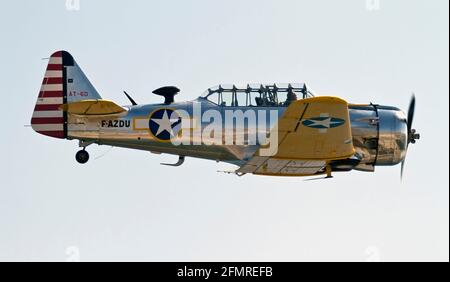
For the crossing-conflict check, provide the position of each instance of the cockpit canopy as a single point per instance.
(257, 95)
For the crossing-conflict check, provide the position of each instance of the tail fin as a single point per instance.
(64, 82)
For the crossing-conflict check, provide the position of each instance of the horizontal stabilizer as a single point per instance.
(92, 107)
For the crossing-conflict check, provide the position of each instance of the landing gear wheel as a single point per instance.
(82, 156)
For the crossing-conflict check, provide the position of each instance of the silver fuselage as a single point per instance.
(379, 133)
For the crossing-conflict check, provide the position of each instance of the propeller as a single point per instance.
(412, 134)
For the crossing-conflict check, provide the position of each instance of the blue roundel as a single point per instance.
(164, 124)
(323, 122)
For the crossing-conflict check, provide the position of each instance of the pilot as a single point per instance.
(291, 97)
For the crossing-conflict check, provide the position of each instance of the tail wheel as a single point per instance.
(82, 156)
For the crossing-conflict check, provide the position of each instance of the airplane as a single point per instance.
(263, 129)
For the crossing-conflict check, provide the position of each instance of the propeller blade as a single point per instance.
(411, 109)
(318, 178)
(401, 170)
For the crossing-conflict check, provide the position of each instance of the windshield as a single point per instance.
(257, 95)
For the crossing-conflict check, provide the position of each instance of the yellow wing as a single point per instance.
(92, 107)
(311, 133)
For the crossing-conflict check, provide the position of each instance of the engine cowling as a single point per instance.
(379, 135)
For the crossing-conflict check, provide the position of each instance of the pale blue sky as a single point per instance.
(125, 206)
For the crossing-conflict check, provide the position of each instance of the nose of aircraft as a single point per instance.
(393, 136)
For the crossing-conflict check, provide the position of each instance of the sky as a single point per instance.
(124, 206)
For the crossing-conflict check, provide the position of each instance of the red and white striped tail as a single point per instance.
(64, 82)
(47, 119)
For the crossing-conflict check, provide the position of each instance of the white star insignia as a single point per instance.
(165, 124)
(325, 123)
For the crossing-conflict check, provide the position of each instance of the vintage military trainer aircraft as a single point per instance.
(277, 129)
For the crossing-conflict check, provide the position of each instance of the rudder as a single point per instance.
(64, 82)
